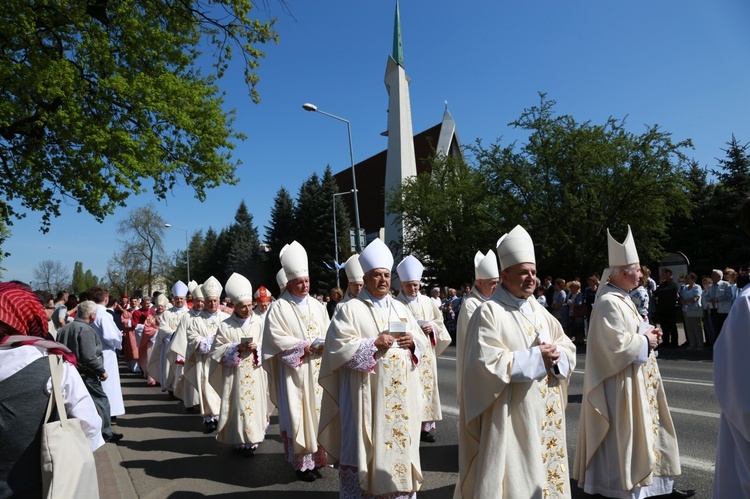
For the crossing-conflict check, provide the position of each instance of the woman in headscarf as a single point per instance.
(25, 387)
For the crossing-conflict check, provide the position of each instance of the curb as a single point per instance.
(114, 479)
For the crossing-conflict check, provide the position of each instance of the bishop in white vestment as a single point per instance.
(243, 386)
(178, 350)
(516, 367)
(293, 338)
(430, 321)
(371, 417)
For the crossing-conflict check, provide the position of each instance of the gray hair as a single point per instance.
(85, 309)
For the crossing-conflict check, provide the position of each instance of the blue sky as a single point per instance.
(680, 64)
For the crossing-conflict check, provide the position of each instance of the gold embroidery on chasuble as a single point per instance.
(426, 371)
(247, 396)
(554, 455)
(312, 331)
(652, 377)
(397, 438)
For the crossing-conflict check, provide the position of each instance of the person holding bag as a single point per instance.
(25, 389)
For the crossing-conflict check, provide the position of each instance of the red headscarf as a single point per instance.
(21, 310)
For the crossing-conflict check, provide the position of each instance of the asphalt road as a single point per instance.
(166, 453)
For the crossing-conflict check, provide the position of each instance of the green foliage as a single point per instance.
(566, 184)
(244, 246)
(282, 226)
(446, 218)
(101, 100)
(83, 280)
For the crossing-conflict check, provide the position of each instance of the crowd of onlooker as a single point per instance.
(700, 304)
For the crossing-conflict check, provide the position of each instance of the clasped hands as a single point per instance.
(654, 337)
(385, 340)
(550, 354)
(244, 348)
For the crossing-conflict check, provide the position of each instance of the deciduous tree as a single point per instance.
(144, 232)
(101, 100)
(52, 276)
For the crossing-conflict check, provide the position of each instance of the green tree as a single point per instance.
(728, 240)
(83, 280)
(101, 100)
(691, 232)
(145, 229)
(281, 228)
(127, 273)
(446, 219)
(244, 246)
(328, 188)
(314, 217)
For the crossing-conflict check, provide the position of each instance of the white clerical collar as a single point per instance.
(522, 303)
(377, 302)
(299, 301)
(245, 320)
(410, 299)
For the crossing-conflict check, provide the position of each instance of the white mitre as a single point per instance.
(195, 290)
(212, 287)
(294, 261)
(485, 266)
(281, 280)
(622, 255)
(376, 256)
(515, 247)
(410, 269)
(162, 300)
(353, 269)
(179, 289)
(239, 288)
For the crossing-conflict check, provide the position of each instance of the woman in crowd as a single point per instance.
(640, 296)
(25, 387)
(559, 305)
(577, 312)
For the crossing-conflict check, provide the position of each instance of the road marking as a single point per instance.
(453, 411)
(447, 358)
(698, 464)
(681, 381)
(695, 413)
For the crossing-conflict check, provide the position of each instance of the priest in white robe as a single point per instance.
(516, 368)
(371, 417)
(159, 366)
(178, 350)
(111, 337)
(627, 444)
(732, 478)
(486, 279)
(198, 363)
(430, 321)
(355, 278)
(243, 384)
(293, 338)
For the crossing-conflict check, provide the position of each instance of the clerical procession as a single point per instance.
(445, 366)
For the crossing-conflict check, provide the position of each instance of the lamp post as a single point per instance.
(313, 108)
(336, 234)
(187, 247)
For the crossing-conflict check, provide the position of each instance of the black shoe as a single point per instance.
(210, 426)
(305, 476)
(427, 437)
(114, 438)
(678, 494)
(245, 451)
(113, 420)
(316, 472)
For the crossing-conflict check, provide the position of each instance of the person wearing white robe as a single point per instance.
(178, 350)
(516, 368)
(732, 477)
(293, 337)
(371, 417)
(237, 352)
(111, 337)
(159, 366)
(355, 278)
(198, 363)
(430, 321)
(486, 279)
(627, 445)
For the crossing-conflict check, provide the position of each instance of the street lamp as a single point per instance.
(313, 108)
(336, 234)
(187, 248)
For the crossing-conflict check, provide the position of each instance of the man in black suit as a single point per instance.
(666, 297)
